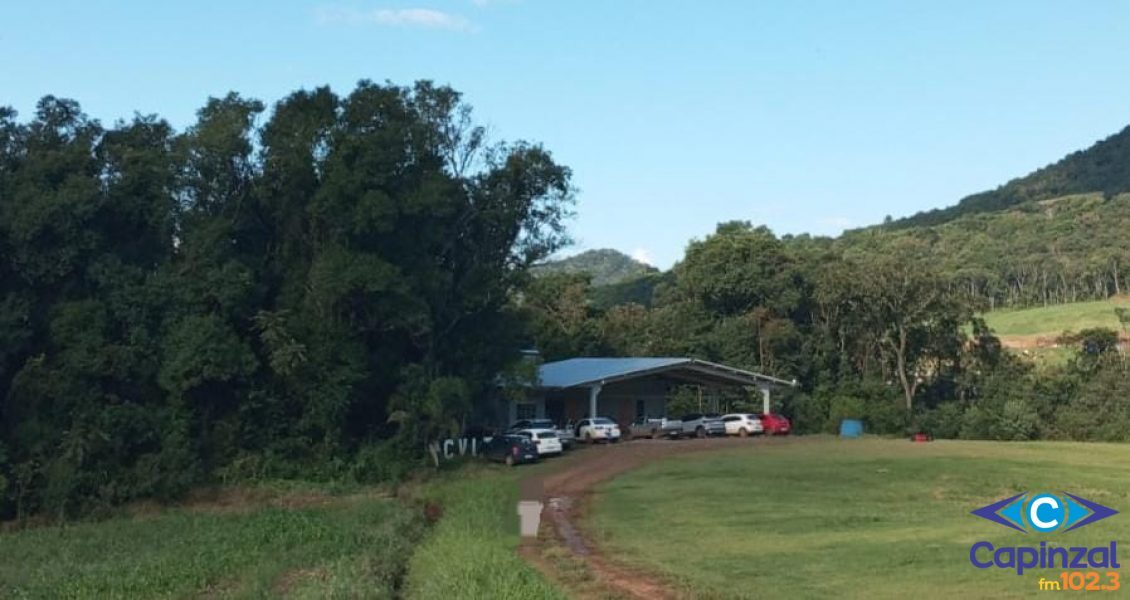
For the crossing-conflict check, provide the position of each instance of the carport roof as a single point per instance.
(586, 372)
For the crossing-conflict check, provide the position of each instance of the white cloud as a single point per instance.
(643, 255)
(423, 18)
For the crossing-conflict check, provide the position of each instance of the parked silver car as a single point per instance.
(700, 425)
(656, 427)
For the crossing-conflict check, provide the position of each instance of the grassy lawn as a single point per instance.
(353, 546)
(471, 553)
(1054, 320)
(823, 517)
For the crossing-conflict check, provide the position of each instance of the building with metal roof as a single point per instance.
(626, 388)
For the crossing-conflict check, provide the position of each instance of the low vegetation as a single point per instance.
(310, 546)
(472, 551)
(821, 517)
(294, 541)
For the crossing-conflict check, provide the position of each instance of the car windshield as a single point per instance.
(602, 421)
(691, 417)
(545, 435)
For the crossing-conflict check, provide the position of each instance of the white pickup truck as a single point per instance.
(656, 427)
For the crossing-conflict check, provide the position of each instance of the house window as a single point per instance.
(526, 410)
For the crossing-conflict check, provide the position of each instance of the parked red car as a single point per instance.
(775, 424)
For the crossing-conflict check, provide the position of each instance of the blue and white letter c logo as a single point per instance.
(1045, 512)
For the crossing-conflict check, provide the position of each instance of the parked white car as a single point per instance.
(742, 424)
(546, 440)
(600, 428)
(565, 434)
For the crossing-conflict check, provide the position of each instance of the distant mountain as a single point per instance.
(606, 266)
(1103, 168)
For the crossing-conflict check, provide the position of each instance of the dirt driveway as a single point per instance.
(564, 552)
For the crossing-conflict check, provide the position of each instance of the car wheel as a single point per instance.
(700, 432)
(743, 432)
(510, 460)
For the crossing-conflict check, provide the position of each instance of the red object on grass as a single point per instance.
(921, 437)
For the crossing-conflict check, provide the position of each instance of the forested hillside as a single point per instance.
(1061, 250)
(1103, 168)
(1064, 249)
(605, 266)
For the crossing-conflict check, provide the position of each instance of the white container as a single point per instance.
(529, 513)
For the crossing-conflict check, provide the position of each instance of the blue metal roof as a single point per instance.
(576, 372)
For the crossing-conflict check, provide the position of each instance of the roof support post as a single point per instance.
(594, 392)
(765, 400)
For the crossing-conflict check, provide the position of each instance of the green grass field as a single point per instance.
(354, 546)
(472, 551)
(1054, 320)
(871, 518)
(283, 544)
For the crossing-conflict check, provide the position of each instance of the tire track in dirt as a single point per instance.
(566, 492)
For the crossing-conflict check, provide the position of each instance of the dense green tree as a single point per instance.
(253, 298)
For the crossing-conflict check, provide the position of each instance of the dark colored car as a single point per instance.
(775, 424)
(511, 449)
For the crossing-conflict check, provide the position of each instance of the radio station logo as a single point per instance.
(1044, 513)
(1047, 513)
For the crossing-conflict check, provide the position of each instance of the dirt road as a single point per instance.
(566, 491)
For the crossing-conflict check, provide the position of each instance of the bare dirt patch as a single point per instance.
(563, 548)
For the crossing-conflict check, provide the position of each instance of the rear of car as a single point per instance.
(700, 425)
(512, 449)
(714, 424)
(545, 440)
(775, 424)
(599, 429)
(564, 434)
(742, 424)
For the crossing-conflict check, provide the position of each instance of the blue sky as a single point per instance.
(804, 116)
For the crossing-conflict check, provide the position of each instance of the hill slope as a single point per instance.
(1055, 251)
(606, 266)
(1051, 321)
(1102, 168)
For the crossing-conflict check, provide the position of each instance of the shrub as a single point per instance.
(809, 412)
(1018, 421)
(945, 421)
(1100, 410)
(886, 415)
(383, 462)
